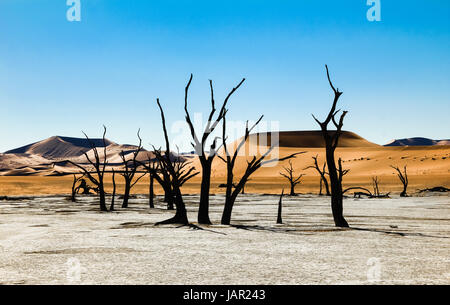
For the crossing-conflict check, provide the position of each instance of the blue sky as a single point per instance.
(59, 77)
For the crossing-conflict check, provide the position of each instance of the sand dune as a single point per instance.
(418, 142)
(14, 161)
(113, 154)
(311, 138)
(59, 147)
(443, 142)
(428, 166)
(39, 158)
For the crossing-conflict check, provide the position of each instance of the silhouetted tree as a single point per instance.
(183, 170)
(253, 165)
(206, 158)
(403, 176)
(129, 172)
(178, 174)
(322, 173)
(441, 189)
(74, 187)
(293, 180)
(151, 192)
(99, 167)
(341, 171)
(331, 143)
(86, 189)
(166, 184)
(111, 207)
(152, 170)
(280, 207)
(376, 190)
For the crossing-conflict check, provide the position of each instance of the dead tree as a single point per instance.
(99, 166)
(199, 144)
(111, 207)
(74, 187)
(331, 143)
(403, 176)
(153, 168)
(178, 174)
(280, 206)
(322, 172)
(341, 171)
(151, 192)
(293, 180)
(224, 185)
(85, 187)
(376, 190)
(166, 184)
(129, 172)
(183, 170)
(253, 165)
(365, 192)
(441, 189)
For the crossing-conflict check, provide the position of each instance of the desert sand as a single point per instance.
(46, 239)
(29, 170)
(428, 166)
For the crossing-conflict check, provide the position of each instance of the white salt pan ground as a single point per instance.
(49, 240)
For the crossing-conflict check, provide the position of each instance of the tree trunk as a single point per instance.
(280, 207)
(203, 210)
(170, 201)
(168, 197)
(126, 194)
(73, 197)
(403, 193)
(292, 189)
(336, 191)
(180, 214)
(228, 209)
(111, 207)
(151, 193)
(101, 191)
(226, 215)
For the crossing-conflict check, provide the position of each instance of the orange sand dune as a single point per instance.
(59, 147)
(310, 138)
(428, 166)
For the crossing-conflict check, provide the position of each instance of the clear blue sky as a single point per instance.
(59, 77)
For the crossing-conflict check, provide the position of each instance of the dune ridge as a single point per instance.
(363, 158)
(308, 138)
(58, 147)
(417, 141)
